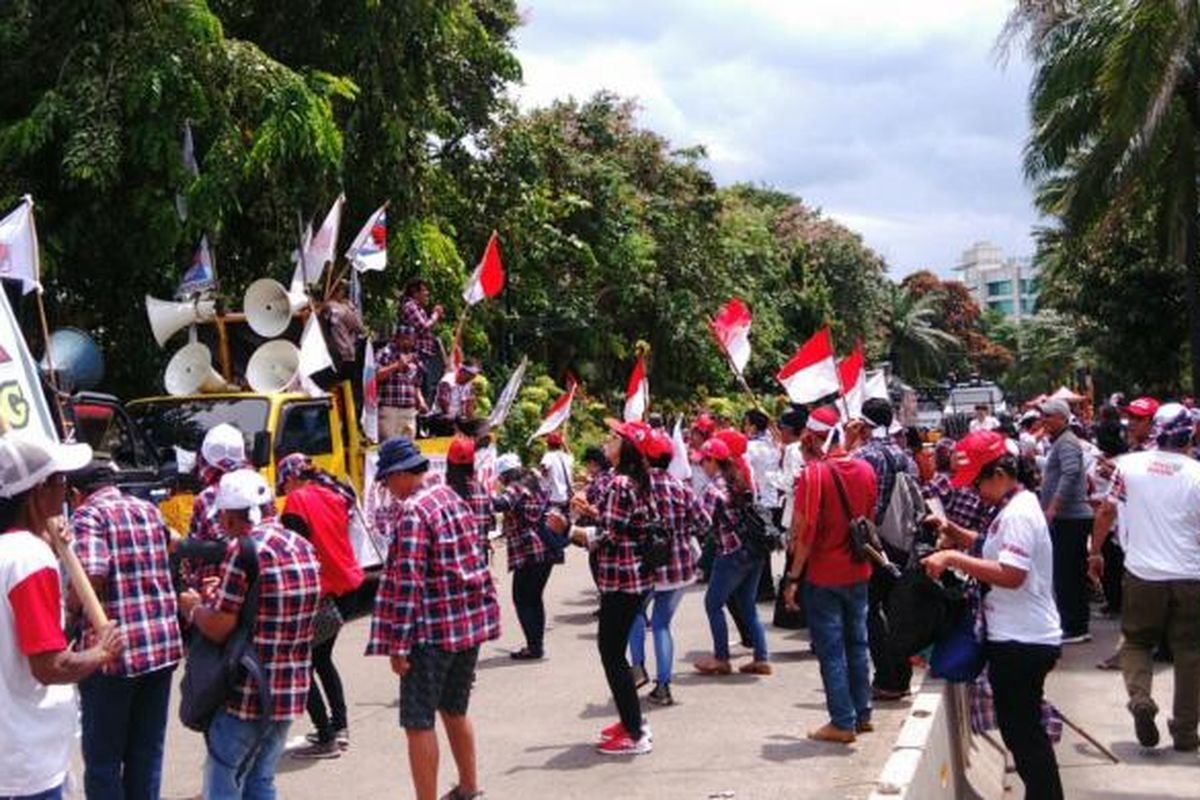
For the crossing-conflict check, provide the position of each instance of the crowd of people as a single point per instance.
(1035, 515)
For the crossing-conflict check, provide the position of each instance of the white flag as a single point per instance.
(370, 409)
(679, 468)
(18, 247)
(876, 386)
(368, 251)
(322, 247)
(314, 354)
(504, 403)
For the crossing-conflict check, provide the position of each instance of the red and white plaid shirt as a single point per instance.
(453, 397)
(722, 516)
(523, 509)
(204, 527)
(620, 531)
(401, 388)
(678, 511)
(124, 541)
(289, 589)
(436, 588)
(414, 316)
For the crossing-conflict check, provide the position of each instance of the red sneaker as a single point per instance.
(617, 729)
(625, 746)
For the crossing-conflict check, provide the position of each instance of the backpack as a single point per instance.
(657, 544)
(755, 530)
(213, 670)
(904, 510)
(863, 536)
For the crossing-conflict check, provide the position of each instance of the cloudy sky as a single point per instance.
(891, 115)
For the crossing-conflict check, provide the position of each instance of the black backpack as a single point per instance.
(755, 530)
(213, 670)
(657, 544)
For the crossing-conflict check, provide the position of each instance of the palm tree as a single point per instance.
(1115, 107)
(917, 348)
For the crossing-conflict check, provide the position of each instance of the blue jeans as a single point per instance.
(240, 765)
(837, 622)
(735, 575)
(124, 722)
(50, 794)
(665, 604)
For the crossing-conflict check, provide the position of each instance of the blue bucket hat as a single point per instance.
(399, 454)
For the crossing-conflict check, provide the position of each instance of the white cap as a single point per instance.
(244, 489)
(1168, 412)
(26, 461)
(223, 444)
(507, 462)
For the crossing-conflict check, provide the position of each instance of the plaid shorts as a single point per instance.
(437, 680)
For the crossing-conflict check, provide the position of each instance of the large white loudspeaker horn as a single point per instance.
(166, 318)
(273, 367)
(190, 371)
(269, 307)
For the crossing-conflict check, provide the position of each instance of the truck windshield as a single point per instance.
(182, 422)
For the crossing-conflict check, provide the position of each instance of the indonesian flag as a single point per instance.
(559, 413)
(853, 377)
(322, 248)
(19, 248)
(732, 329)
(812, 373)
(370, 409)
(488, 278)
(637, 395)
(368, 251)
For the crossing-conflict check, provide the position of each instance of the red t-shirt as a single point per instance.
(324, 512)
(828, 527)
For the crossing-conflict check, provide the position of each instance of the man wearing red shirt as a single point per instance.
(835, 585)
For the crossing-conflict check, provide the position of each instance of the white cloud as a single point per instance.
(892, 115)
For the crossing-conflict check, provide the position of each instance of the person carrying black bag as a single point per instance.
(246, 736)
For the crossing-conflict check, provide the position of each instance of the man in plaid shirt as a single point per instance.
(122, 543)
(399, 380)
(413, 314)
(242, 753)
(963, 506)
(436, 605)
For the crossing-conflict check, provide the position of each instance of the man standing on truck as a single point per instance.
(399, 379)
(413, 313)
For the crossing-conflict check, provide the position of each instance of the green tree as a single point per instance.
(916, 347)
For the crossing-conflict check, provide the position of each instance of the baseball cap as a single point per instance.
(974, 452)
(658, 446)
(635, 432)
(1143, 408)
(462, 451)
(704, 424)
(244, 490)
(507, 462)
(823, 419)
(1032, 415)
(27, 461)
(554, 439)
(1055, 407)
(736, 441)
(716, 450)
(224, 446)
(399, 454)
(290, 466)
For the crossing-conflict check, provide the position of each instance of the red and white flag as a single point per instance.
(370, 409)
(368, 251)
(488, 278)
(637, 395)
(322, 247)
(732, 329)
(812, 373)
(852, 374)
(558, 414)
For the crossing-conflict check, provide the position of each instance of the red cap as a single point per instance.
(823, 419)
(636, 432)
(462, 451)
(974, 452)
(704, 424)
(716, 450)
(1143, 408)
(554, 439)
(658, 445)
(734, 440)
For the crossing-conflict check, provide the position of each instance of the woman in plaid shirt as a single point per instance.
(736, 571)
(619, 577)
(523, 503)
(680, 512)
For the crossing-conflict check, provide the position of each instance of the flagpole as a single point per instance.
(45, 325)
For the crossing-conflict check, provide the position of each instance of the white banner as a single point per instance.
(22, 402)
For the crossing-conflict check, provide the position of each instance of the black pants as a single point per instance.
(528, 585)
(1070, 539)
(617, 610)
(1017, 673)
(1114, 574)
(893, 672)
(327, 721)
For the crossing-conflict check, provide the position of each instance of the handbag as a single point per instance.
(862, 529)
(657, 544)
(959, 656)
(327, 622)
(756, 533)
(213, 670)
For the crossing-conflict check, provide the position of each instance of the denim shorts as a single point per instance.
(437, 680)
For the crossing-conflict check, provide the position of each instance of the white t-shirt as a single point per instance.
(988, 423)
(793, 462)
(763, 457)
(37, 723)
(556, 472)
(1019, 537)
(1157, 493)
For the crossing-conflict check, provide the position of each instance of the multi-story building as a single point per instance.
(1007, 285)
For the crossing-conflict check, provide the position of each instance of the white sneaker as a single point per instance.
(624, 746)
(1079, 639)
